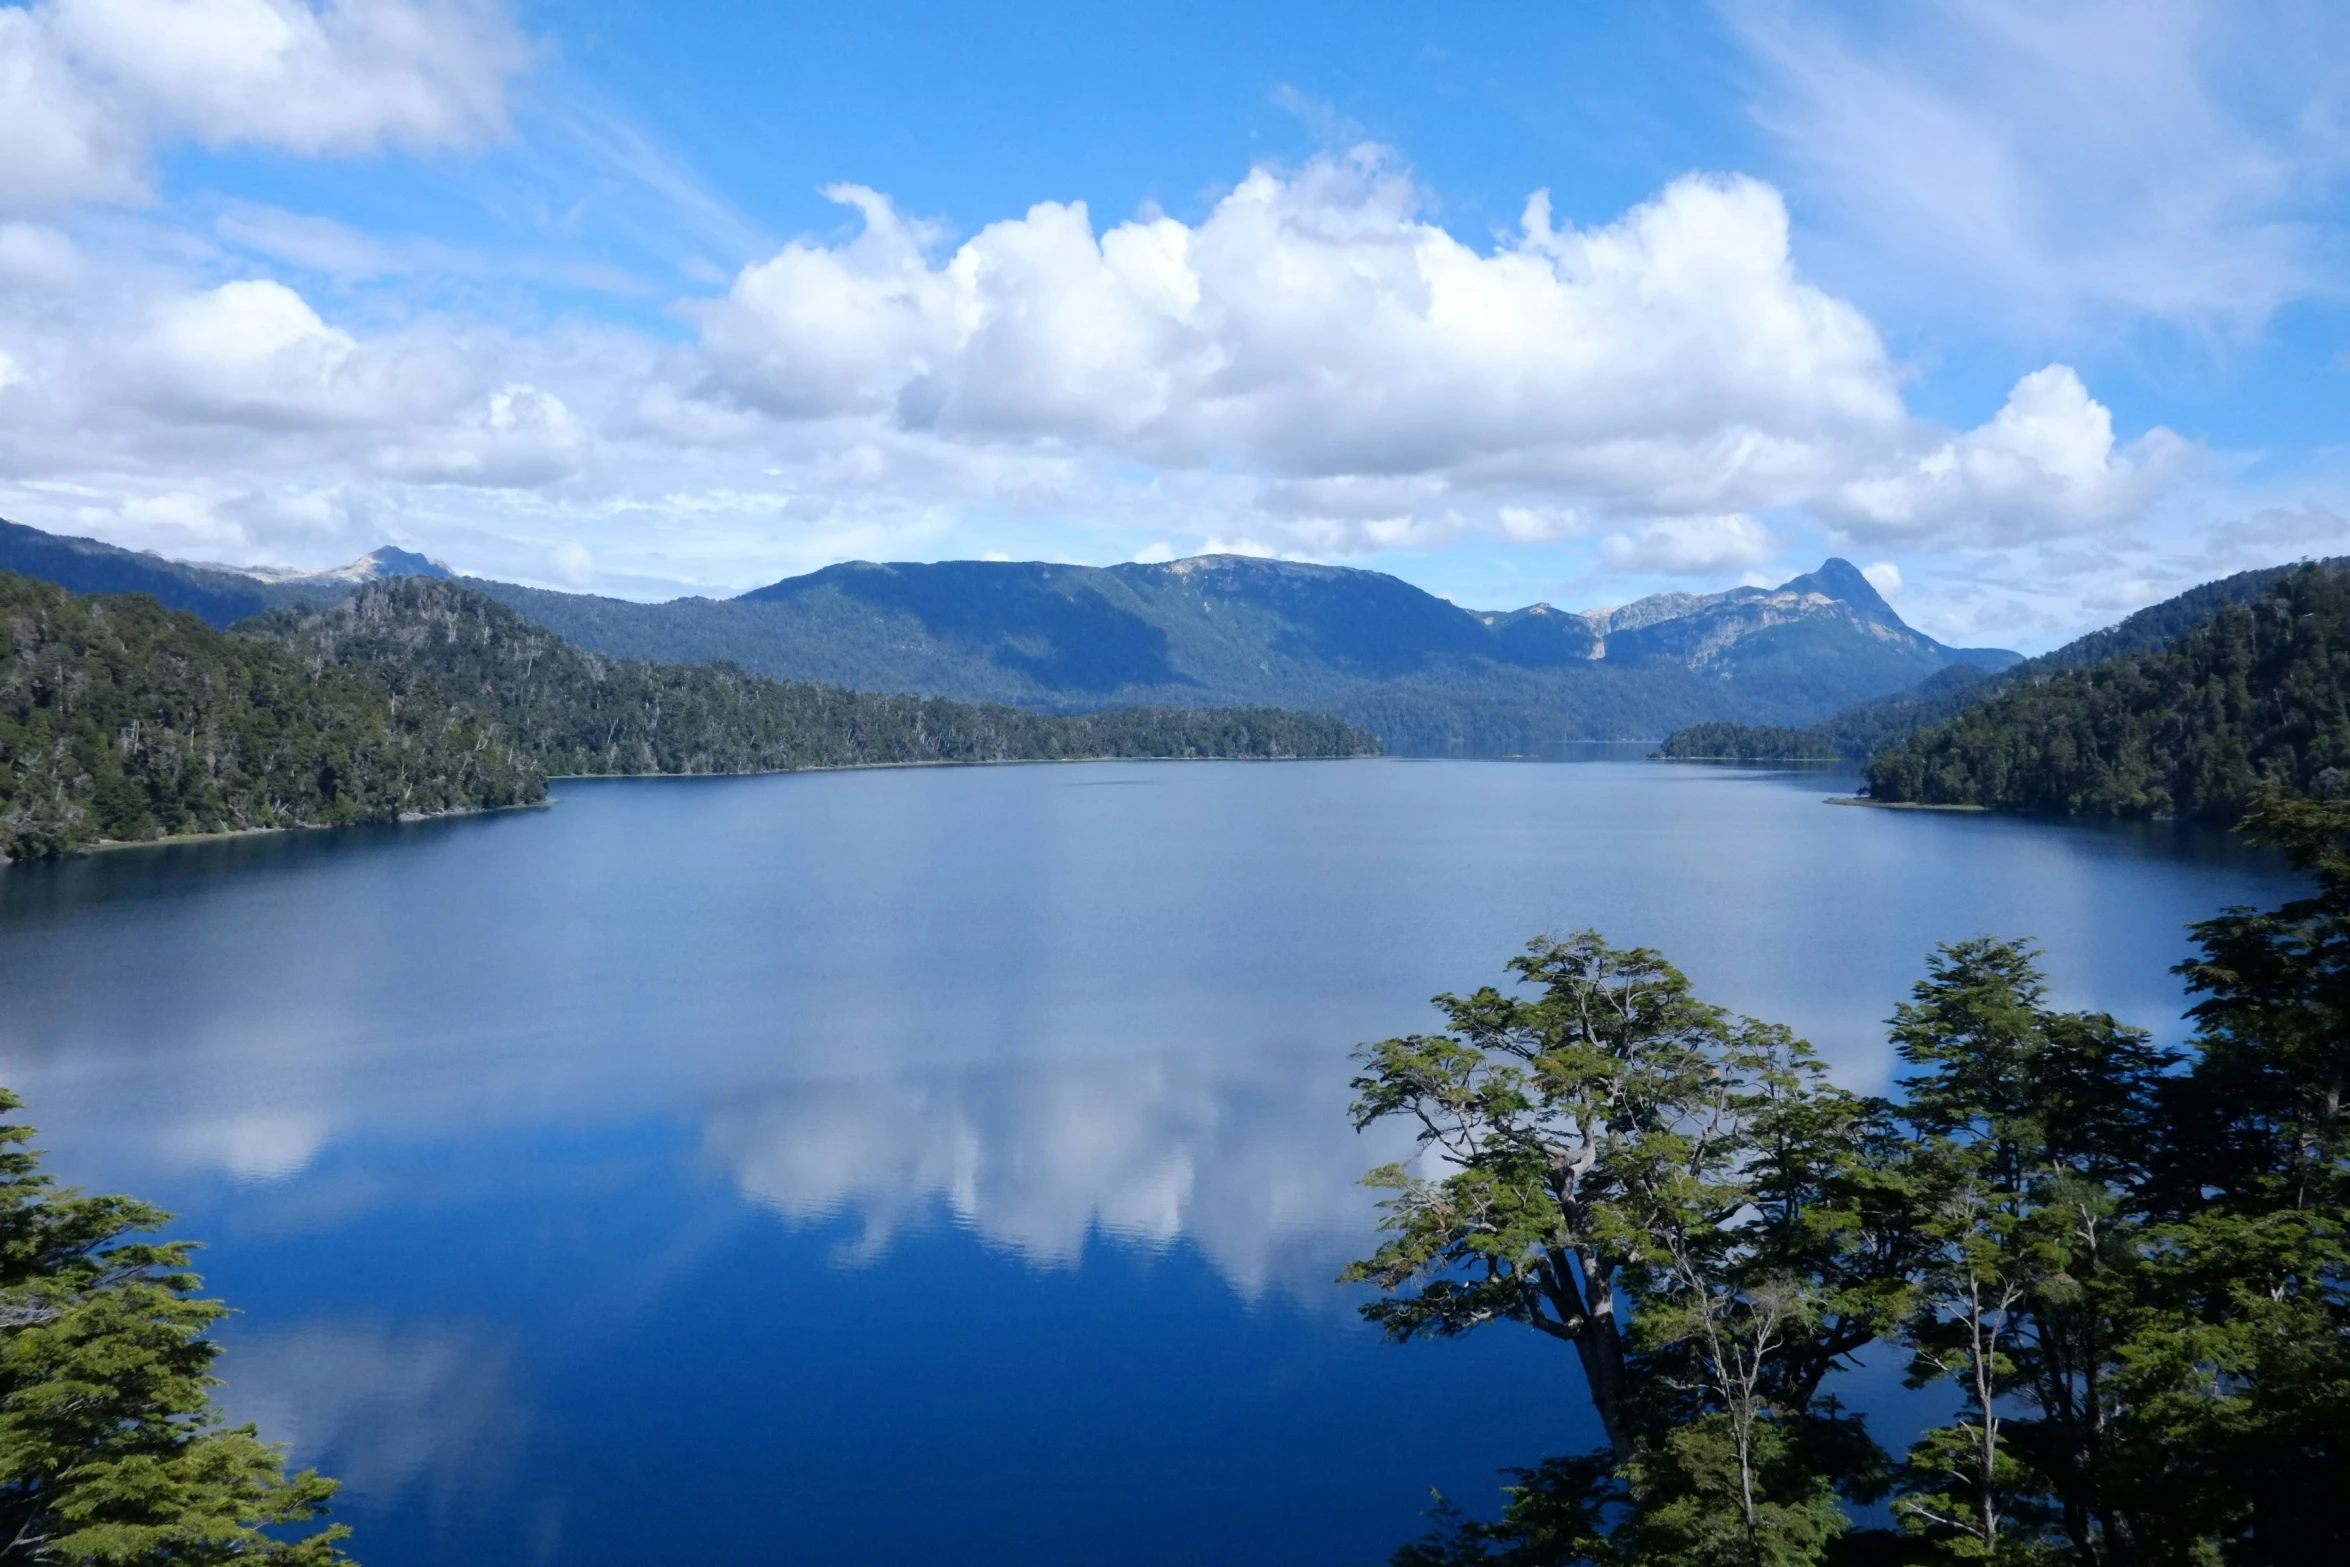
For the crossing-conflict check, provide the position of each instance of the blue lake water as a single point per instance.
(935, 1165)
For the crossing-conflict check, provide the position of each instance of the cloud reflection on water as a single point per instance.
(1044, 1010)
(393, 1412)
(1254, 1162)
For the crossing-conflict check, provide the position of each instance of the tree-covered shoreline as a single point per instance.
(2256, 696)
(1750, 743)
(1886, 723)
(124, 722)
(121, 720)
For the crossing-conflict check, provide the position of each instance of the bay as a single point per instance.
(942, 1164)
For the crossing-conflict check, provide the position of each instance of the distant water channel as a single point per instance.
(940, 1166)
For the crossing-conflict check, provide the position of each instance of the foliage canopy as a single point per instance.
(2129, 1269)
(2256, 696)
(111, 1451)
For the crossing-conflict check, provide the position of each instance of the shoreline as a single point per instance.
(1760, 761)
(113, 845)
(1905, 805)
(117, 845)
(995, 761)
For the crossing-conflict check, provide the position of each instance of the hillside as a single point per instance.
(1423, 673)
(1861, 730)
(2259, 692)
(577, 712)
(120, 719)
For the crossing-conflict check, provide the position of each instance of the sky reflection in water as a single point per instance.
(926, 1162)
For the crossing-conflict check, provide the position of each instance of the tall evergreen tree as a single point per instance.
(112, 1452)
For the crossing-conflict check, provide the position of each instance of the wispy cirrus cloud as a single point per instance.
(2179, 160)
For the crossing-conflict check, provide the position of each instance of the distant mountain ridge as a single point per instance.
(1421, 672)
(1217, 630)
(374, 566)
(222, 595)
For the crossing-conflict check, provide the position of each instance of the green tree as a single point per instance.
(1611, 1139)
(2236, 1357)
(2033, 1134)
(112, 1453)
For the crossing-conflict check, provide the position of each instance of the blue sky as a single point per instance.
(2036, 311)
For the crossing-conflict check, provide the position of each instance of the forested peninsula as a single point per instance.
(1860, 731)
(2258, 695)
(122, 721)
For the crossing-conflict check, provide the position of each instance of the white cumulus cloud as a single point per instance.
(91, 85)
(1314, 325)
(1311, 368)
(2047, 462)
(1690, 546)
(519, 438)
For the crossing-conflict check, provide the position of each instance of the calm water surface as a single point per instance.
(927, 1166)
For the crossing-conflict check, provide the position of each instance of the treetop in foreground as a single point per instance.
(2125, 1271)
(112, 1451)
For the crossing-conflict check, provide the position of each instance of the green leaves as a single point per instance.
(2136, 1280)
(1601, 1140)
(111, 1452)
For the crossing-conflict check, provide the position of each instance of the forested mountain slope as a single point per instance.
(1222, 630)
(2258, 693)
(125, 720)
(1860, 731)
(582, 713)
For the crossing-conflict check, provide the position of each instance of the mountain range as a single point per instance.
(1424, 674)
(222, 595)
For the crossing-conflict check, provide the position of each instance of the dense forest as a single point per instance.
(2122, 1270)
(121, 720)
(1745, 743)
(2260, 692)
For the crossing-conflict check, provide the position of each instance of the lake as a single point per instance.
(942, 1165)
